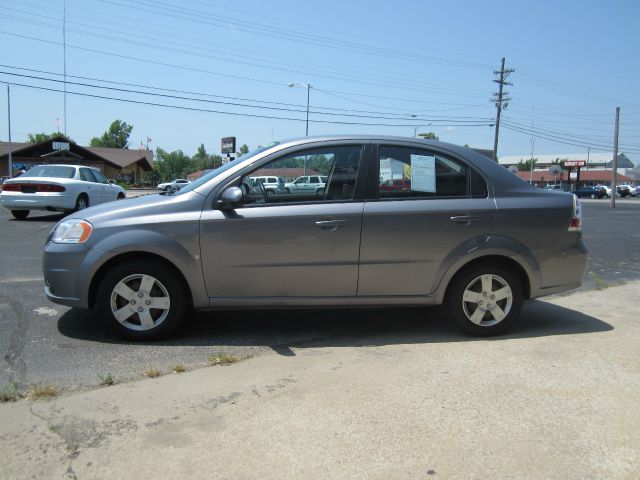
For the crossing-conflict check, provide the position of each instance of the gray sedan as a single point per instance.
(462, 231)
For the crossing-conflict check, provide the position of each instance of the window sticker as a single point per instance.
(423, 173)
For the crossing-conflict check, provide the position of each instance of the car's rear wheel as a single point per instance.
(121, 196)
(141, 300)
(20, 214)
(593, 195)
(82, 202)
(485, 300)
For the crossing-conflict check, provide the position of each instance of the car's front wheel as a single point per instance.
(20, 214)
(485, 300)
(141, 300)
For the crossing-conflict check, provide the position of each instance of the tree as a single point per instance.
(43, 137)
(429, 136)
(527, 165)
(172, 165)
(117, 136)
(243, 149)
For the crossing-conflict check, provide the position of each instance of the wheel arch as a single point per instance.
(494, 260)
(137, 256)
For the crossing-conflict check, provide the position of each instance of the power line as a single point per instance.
(239, 114)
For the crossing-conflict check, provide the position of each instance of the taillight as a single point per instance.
(575, 224)
(33, 187)
(47, 187)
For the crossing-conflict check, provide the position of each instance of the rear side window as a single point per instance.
(87, 175)
(405, 172)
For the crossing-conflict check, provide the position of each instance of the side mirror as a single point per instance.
(112, 182)
(230, 197)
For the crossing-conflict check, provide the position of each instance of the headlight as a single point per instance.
(72, 231)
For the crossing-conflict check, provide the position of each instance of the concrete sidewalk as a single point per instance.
(557, 398)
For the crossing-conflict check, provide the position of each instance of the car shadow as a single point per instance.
(283, 330)
(44, 217)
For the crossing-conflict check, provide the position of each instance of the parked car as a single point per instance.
(272, 185)
(467, 234)
(312, 184)
(635, 191)
(395, 184)
(555, 186)
(58, 188)
(623, 190)
(607, 189)
(178, 183)
(591, 192)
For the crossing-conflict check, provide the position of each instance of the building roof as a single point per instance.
(124, 156)
(594, 158)
(118, 157)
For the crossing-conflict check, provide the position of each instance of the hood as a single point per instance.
(148, 205)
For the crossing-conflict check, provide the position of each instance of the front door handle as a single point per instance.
(330, 225)
(464, 219)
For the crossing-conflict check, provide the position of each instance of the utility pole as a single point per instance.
(64, 60)
(501, 100)
(614, 170)
(9, 125)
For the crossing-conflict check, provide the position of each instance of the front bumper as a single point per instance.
(68, 270)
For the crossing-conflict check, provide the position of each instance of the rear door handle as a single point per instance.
(330, 225)
(464, 219)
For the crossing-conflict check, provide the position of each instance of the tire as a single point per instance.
(593, 195)
(120, 298)
(120, 197)
(269, 192)
(469, 299)
(20, 214)
(287, 190)
(82, 202)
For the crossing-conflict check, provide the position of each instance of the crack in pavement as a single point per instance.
(17, 367)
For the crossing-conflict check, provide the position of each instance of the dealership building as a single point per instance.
(115, 163)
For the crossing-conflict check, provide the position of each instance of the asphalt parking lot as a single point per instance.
(44, 343)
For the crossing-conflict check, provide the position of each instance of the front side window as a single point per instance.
(338, 164)
(406, 172)
(87, 175)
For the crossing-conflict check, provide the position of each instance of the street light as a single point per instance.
(308, 87)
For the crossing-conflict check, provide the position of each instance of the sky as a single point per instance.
(186, 72)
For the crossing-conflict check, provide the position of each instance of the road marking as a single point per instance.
(22, 280)
(51, 312)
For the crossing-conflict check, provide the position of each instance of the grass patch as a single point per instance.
(222, 359)
(600, 282)
(179, 368)
(9, 393)
(42, 391)
(106, 380)
(152, 372)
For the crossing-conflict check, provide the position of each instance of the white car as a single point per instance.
(58, 188)
(307, 184)
(607, 190)
(179, 182)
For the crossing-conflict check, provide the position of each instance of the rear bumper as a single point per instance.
(562, 271)
(37, 201)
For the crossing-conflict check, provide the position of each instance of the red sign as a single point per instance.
(574, 163)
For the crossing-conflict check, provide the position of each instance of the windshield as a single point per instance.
(214, 173)
(56, 171)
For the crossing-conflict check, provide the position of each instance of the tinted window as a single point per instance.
(406, 172)
(339, 164)
(55, 171)
(87, 175)
(99, 176)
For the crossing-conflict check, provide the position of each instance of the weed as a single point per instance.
(42, 391)
(106, 380)
(222, 359)
(9, 393)
(179, 368)
(152, 372)
(600, 282)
